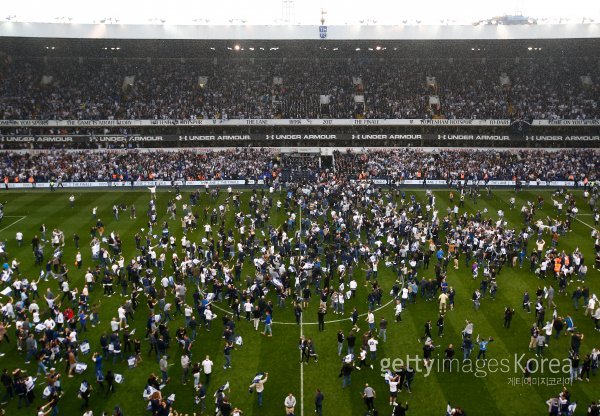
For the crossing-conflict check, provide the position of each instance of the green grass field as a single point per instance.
(279, 355)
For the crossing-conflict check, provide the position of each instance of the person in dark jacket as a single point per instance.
(319, 397)
(400, 410)
(346, 373)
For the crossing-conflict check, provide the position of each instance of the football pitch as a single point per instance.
(480, 388)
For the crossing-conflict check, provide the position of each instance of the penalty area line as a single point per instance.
(22, 217)
(585, 223)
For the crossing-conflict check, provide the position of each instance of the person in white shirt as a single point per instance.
(207, 366)
(89, 279)
(188, 312)
(122, 317)
(14, 265)
(34, 288)
(65, 290)
(393, 383)
(49, 323)
(596, 317)
(371, 320)
(548, 329)
(398, 311)
(78, 259)
(372, 342)
(185, 368)
(209, 315)
(404, 297)
(341, 301)
(591, 306)
(19, 238)
(95, 246)
(290, 404)
(164, 282)
(248, 309)
(33, 307)
(468, 331)
(353, 285)
(114, 325)
(152, 192)
(60, 320)
(167, 312)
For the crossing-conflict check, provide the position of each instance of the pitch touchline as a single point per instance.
(311, 323)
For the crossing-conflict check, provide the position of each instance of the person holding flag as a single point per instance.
(258, 384)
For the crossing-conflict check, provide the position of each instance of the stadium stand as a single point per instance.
(64, 88)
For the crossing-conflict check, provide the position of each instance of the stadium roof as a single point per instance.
(299, 12)
(299, 32)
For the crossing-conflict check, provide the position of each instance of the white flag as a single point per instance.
(434, 100)
(504, 79)
(202, 81)
(128, 81)
(46, 80)
(324, 99)
(586, 80)
(359, 98)
(277, 81)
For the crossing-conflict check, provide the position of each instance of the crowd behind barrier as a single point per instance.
(255, 164)
(525, 165)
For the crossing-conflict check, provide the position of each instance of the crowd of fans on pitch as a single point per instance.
(269, 164)
(346, 228)
(169, 89)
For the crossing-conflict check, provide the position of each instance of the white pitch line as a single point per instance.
(311, 323)
(301, 373)
(585, 223)
(13, 223)
(339, 320)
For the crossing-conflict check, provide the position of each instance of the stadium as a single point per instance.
(294, 208)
